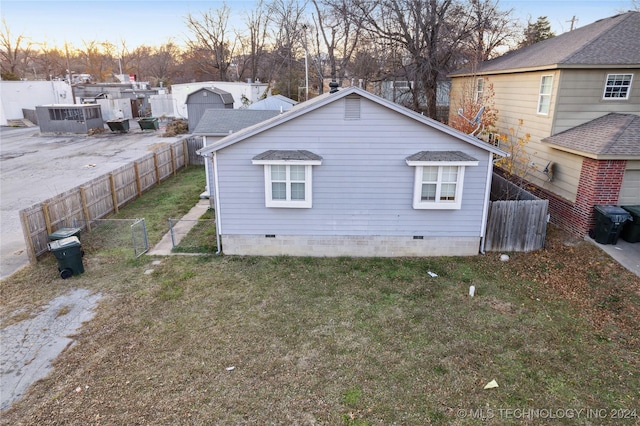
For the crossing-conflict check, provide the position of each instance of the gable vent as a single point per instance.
(352, 107)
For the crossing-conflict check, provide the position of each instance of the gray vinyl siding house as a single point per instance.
(361, 154)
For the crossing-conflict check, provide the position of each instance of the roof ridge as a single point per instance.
(588, 41)
(614, 140)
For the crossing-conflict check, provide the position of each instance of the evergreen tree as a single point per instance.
(537, 31)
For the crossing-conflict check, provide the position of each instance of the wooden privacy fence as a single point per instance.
(515, 225)
(99, 197)
(194, 143)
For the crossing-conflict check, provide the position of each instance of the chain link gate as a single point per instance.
(109, 234)
(139, 237)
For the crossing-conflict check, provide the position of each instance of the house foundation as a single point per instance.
(353, 246)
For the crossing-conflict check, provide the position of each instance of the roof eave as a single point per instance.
(545, 68)
(593, 155)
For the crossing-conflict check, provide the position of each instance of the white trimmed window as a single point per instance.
(544, 98)
(618, 86)
(288, 177)
(439, 178)
(479, 89)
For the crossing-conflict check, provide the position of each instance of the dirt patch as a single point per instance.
(30, 345)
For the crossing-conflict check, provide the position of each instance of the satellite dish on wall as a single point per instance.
(476, 121)
(478, 116)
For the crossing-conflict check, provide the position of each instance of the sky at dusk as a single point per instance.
(154, 22)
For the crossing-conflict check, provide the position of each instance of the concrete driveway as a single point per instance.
(34, 168)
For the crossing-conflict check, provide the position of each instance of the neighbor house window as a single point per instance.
(439, 178)
(479, 89)
(618, 86)
(287, 177)
(544, 100)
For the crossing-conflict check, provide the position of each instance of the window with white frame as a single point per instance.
(439, 178)
(544, 99)
(288, 177)
(479, 89)
(617, 86)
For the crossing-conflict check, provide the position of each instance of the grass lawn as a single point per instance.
(337, 341)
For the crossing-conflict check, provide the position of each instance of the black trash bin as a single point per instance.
(68, 252)
(64, 233)
(631, 230)
(609, 223)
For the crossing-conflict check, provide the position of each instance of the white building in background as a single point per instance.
(16, 96)
(174, 104)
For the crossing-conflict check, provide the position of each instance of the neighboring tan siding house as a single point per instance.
(350, 174)
(555, 86)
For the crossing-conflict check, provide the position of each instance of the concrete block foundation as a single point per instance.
(352, 246)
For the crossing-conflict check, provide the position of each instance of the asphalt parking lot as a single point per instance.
(35, 167)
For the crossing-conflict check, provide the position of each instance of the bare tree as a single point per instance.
(428, 31)
(492, 29)
(287, 18)
(212, 48)
(15, 53)
(365, 64)
(338, 33)
(97, 59)
(254, 43)
(163, 63)
(51, 62)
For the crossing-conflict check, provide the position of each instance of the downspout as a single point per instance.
(216, 200)
(214, 195)
(485, 209)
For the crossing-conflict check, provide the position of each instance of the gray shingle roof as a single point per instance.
(227, 98)
(440, 156)
(221, 122)
(291, 155)
(612, 135)
(609, 41)
(327, 98)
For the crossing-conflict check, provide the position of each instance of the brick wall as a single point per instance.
(600, 183)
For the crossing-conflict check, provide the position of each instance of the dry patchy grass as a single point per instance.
(338, 341)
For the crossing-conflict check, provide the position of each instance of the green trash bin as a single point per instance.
(64, 233)
(631, 230)
(118, 125)
(68, 252)
(609, 223)
(148, 123)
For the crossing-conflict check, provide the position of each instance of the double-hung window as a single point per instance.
(544, 98)
(479, 92)
(617, 86)
(288, 177)
(439, 178)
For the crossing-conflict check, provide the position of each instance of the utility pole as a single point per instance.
(306, 64)
(573, 21)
